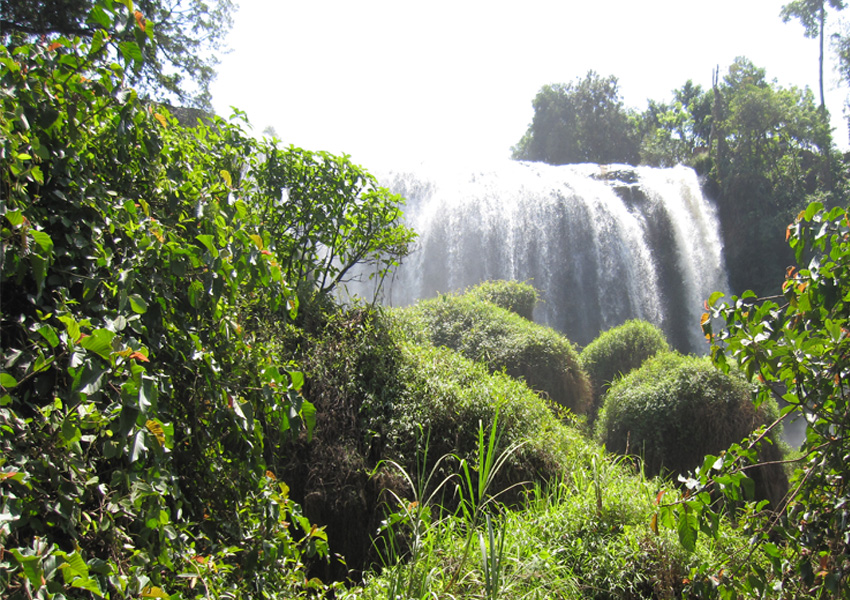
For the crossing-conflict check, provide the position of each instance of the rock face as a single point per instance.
(602, 243)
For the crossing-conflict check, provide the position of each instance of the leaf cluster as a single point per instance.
(143, 407)
(501, 339)
(796, 344)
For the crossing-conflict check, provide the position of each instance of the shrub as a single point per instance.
(676, 409)
(617, 351)
(517, 297)
(502, 340)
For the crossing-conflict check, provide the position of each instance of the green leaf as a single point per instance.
(99, 16)
(138, 304)
(687, 529)
(7, 381)
(15, 218)
(99, 342)
(208, 241)
(31, 565)
(48, 333)
(308, 414)
(43, 240)
(137, 446)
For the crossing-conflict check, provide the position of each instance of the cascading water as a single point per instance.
(602, 244)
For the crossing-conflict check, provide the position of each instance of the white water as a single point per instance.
(601, 243)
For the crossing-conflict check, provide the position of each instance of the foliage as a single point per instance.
(187, 35)
(517, 297)
(143, 409)
(676, 133)
(617, 351)
(675, 409)
(565, 541)
(577, 122)
(797, 345)
(500, 339)
(771, 149)
(329, 215)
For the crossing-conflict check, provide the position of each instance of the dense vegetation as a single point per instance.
(618, 351)
(186, 412)
(502, 340)
(179, 65)
(143, 407)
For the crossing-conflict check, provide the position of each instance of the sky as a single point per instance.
(396, 82)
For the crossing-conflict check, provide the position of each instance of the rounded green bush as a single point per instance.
(515, 296)
(502, 340)
(674, 410)
(617, 351)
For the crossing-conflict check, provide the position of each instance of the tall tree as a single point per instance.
(178, 67)
(584, 121)
(812, 15)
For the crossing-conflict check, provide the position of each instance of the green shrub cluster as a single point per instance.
(515, 296)
(617, 351)
(143, 406)
(501, 339)
(674, 410)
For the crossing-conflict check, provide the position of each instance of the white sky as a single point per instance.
(394, 81)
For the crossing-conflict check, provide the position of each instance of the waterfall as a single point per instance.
(602, 244)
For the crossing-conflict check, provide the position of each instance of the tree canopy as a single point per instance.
(143, 401)
(582, 121)
(187, 35)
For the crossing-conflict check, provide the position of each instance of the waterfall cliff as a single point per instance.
(602, 243)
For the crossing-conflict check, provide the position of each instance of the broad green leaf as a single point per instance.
(15, 217)
(209, 242)
(99, 342)
(308, 414)
(99, 16)
(48, 333)
(31, 565)
(43, 240)
(687, 529)
(7, 381)
(137, 446)
(138, 304)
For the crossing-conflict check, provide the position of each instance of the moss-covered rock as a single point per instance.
(616, 352)
(502, 340)
(515, 296)
(675, 409)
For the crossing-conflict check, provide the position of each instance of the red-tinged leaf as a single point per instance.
(658, 497)
(54, 46)
(7, 475)
(271, 476)
(139, 356)
(140, 19)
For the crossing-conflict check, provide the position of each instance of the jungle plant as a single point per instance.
(675, 409)
(142, 408)
(797, 345)
(616, 352)
(501, 339)
(515, 296)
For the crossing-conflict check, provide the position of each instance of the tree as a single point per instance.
(584, 121)
(794, 346)
(674, 133)
(812, 15)
(187, 34)
(771, 148)
(144, 407)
